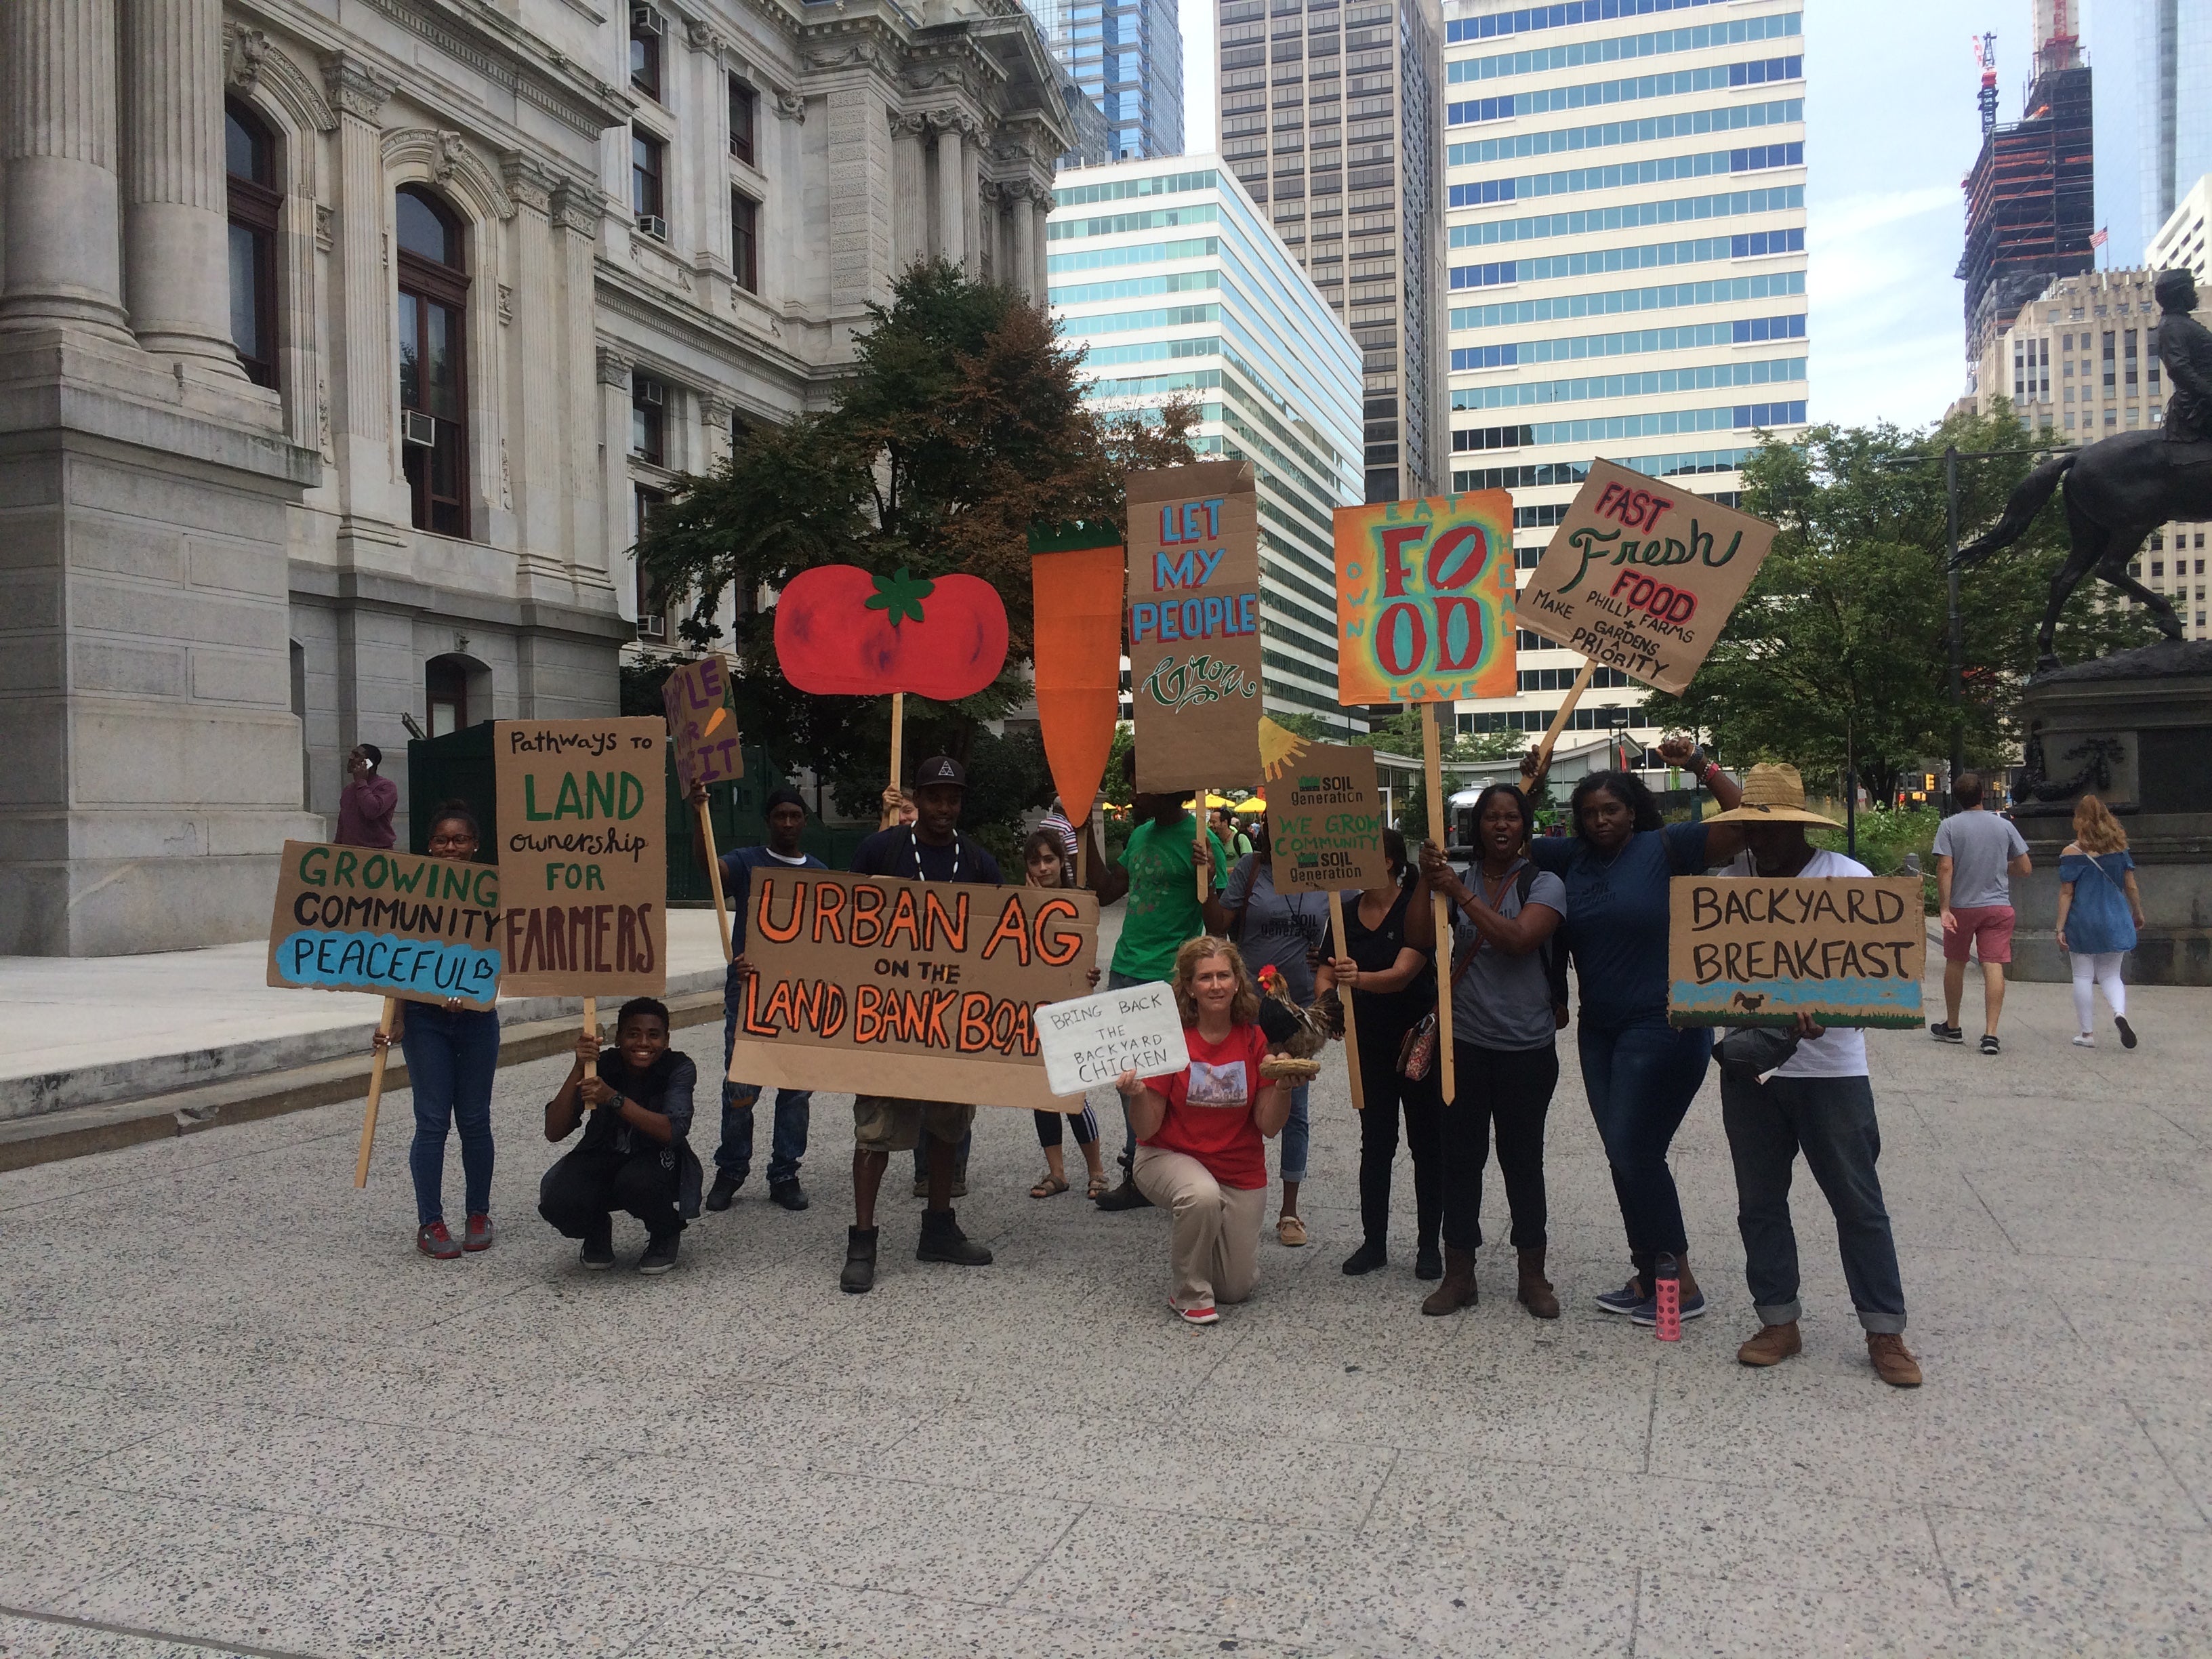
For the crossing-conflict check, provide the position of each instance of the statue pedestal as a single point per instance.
(2134, 729)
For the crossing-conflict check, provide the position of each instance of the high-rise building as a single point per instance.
(1169, 273)
(1646, 302)
(1330, 117)
(1127, 57)
(2173, 55)
(2181, 242)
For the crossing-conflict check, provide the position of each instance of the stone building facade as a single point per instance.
(342, 344)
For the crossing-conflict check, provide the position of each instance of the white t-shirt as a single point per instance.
(1840, 1051)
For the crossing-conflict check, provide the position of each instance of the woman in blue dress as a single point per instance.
(2099, 912)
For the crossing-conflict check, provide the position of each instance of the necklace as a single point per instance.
(914, 846)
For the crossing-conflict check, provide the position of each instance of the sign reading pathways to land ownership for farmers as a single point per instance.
(1194, 625)
(1642, 576)
(1760, 951)
(398, 924)
(923, 990)
(1325, 822)
(583, 862)
(695, 696)
(1092, 1041)
(1425, 599)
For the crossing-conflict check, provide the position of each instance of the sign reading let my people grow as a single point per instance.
(398, 924)
(583, 861)
(1761, 949)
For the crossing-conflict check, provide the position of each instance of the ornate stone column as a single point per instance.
(1040, 242)
(360, 344)
(952, 188)
(578, 207)
(57, 110)
(176, 222)
(1020, 197)
(910, 190)
(538, 320)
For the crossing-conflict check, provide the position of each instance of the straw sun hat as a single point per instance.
(1772, 795)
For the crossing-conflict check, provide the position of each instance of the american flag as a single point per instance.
(2098, 239)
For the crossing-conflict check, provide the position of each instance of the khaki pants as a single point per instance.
(1215, 1242)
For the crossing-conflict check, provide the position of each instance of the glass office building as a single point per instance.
(1127, 55)
(1174, 282)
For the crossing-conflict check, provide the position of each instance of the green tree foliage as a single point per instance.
(961, 425)
(1842, 643)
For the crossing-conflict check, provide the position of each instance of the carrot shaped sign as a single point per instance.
(1425, 599)
(926, 990)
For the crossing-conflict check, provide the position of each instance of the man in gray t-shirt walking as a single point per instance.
(1977, 853)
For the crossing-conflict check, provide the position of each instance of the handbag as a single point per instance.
(1416, 1051)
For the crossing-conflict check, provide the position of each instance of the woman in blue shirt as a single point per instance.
(2099, 913)
(1639, 1072)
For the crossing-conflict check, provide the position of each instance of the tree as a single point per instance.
(1841, 645)
(961, 425)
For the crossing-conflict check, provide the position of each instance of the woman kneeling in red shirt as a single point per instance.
(1199, 1131)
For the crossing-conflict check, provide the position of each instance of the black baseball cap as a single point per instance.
(941, 768)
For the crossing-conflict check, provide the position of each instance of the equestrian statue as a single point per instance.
(2120, 489)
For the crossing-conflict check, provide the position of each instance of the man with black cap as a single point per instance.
(786, 818)
(930, 849)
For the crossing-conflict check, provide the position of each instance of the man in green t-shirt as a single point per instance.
(1158, 872)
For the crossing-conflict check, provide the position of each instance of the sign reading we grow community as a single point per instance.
(396, 924)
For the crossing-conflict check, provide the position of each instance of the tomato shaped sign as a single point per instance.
(1425, 599)
(842, 632)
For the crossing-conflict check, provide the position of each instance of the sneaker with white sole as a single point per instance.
(1647, 1313)
(2085, 1040)
(1203, 1314)
(1943, 1033)
(1629, 1297)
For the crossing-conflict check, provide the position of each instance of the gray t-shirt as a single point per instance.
(1980, 844)
(1505, 1001)
(1278, 927)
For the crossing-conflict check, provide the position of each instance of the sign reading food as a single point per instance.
(1642, 576)
(695, 696)
(398, 924)
(1425, 599)
(1760, 951)
(1325, 821)
(583, 858)
(925, 990)
(1092, 1040)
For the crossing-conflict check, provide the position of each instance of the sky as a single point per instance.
(1891, 129)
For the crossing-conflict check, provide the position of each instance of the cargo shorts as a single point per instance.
(882, 1124)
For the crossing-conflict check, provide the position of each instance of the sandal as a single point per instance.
(1048, 1186)
(1101, 1184)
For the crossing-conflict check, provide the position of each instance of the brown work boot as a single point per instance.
(1534, 1293)
(1455, 1289)
(1773, 1345)
(1892, 1361)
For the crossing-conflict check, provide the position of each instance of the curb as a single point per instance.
(81, 1131)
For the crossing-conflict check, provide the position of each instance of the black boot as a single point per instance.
(787, 1194)
(1124, 1196)
(1427, 1264)
(725, 1189)
(859, 1275)
(943, 1241)
(1367, 1258)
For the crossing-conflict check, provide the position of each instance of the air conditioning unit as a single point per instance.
(418, 428)
(652, 627)
(644, 19)
(650, 391)
(653, 226)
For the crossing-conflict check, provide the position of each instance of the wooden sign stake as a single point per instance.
(1433, 758)
(898, 733)
(1202, 864)
(592, 1025)
(375, 1093)
(714, 877)
(1566, 713)
(1344, 995)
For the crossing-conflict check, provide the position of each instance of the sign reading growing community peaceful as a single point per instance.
(1425, 599)
(1325, 821)
(1642, 576)
(583, 861)
(1760, 951)
(695, 696)
(1090, 1040)
(1195, 625)
(398, 924)
(925, 990)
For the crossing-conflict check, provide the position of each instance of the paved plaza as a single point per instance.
(242, 1415)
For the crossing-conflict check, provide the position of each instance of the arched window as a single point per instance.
(433, 291)
(250, 158)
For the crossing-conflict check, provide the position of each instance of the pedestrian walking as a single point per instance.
(368, 801)
(2099, 915)
(1977, 855)
(1044, 867)
(636, 1155)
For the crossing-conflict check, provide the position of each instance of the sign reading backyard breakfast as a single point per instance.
(1425, 599)
(398, 924)
(1641, 576)
(1090, 1040)
(583, 861)
(1324, 818)
(1194, 624)
(695, 696)
(927, 990)
(1848, 950)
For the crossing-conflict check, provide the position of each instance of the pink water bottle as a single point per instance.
(1667, 1287)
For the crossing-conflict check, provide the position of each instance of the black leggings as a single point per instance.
(1387, 1094)
(1512, 1087)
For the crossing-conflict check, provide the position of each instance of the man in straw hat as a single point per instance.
(1819, 1101)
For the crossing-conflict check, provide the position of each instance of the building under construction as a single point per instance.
(2031, 204)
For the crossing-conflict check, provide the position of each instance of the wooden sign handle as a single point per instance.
(1566, 713)
(375, 1093)
(898, 734)
(714, 877)
(1432, 760)
(1202, 865)
(1344, 995)
(592, 1025)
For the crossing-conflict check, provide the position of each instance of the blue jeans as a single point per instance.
(452, 1056)
(1830, 1120)
(793, 1107)
(1296, 1135)
(1640, 1078)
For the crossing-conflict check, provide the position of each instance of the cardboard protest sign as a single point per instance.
(583, 856)
(922, 990)
(1077, 574)
(695, 696)
(1093, 1039)
(398, 924)
(1760, 951)
(1642, 576)
(1195, 625)
(1325, 820)
(1425, 599)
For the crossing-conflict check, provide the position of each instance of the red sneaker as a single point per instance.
(478, 1237)
(434, 1241)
